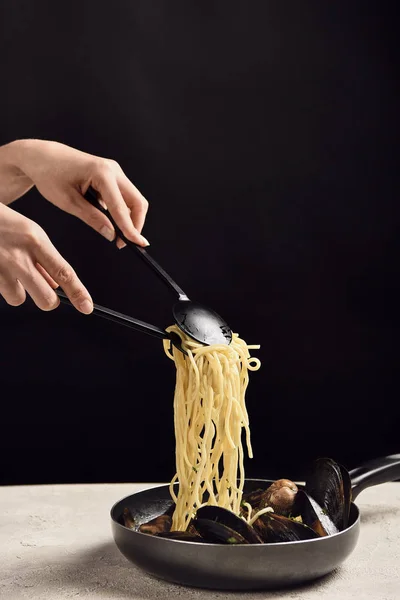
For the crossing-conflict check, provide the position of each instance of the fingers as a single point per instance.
(39, 290)
(30, 263)
(40, 287)
(62, 274)
(125, 210)
(12, 291)
(137, 204)
(47, 277)
(135, 201)
(40, 281)
(80, 208)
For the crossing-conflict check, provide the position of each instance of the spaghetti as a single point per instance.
(209, 416)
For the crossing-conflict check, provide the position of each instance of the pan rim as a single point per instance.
(236, 546)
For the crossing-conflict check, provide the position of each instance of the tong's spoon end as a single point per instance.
(201, 323)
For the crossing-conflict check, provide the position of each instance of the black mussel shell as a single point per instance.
(329, 484)
(191, 528)
(313, 515)
(228, 518)
(274, 528)
(254, 498)
(347, 492)
(218, 533)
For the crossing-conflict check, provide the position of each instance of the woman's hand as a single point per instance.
(28, 260)
(63, 174)
(30, 263)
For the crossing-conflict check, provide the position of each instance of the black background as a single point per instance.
(264, 135)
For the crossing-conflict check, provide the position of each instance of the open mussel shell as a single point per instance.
(280, 496)
(347, 493)
(313, 515)
(160, 524)
(254, 498)
(217, 533)
(128, 519)
(329, 484)
(274, 528)
(227, 519)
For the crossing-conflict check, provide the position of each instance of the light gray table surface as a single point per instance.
(56, 543)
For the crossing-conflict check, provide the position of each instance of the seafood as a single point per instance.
(280, 496)
(224, 526)
(313, 515)
(129, 521)
(283, 512)
(329, 485)
(161, 524)
(277, 528)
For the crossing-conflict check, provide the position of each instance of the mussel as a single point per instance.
(280, 496)
(219, 525)
(274, 528)
(128, 519)
(313, 515)
(217, 533)
(254, 498)
(329, 484)
(321, 509)
(160, 524)
(191, 528)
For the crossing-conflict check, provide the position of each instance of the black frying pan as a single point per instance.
(241, 567)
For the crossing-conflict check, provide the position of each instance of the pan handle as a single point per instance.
(375, 471)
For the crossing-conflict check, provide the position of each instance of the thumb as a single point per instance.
(82, 209)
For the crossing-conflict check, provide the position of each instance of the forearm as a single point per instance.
(14, 183)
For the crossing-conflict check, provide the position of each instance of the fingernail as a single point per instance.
(146, 242)
(86, 307)
(108, 233)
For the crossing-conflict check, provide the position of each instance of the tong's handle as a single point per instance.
(119, 318)
(91, 197)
